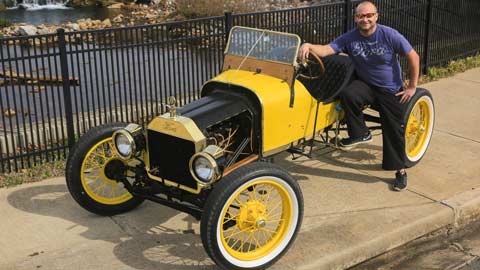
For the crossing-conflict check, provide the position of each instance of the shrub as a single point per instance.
(205, 8)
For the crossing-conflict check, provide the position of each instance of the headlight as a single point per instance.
(204, 168)
(130, 141)
(124, 145)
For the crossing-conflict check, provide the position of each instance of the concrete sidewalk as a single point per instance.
(350, 212)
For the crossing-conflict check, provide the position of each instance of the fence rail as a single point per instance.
(55, 87)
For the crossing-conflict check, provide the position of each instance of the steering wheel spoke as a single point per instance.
(313, 67)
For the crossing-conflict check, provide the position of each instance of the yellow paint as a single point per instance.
(180, 127)
(282, 124)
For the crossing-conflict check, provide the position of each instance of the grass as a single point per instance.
(57, 168)
(452, 68)
(34, 174)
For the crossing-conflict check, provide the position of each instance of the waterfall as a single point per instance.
(40, 4)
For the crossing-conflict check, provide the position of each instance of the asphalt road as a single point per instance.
(442, 250)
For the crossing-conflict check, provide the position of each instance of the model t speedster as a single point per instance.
(213, 157)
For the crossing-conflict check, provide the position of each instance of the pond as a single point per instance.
(56, 14)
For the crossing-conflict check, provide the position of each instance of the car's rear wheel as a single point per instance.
(252, 217)
(91, 172)
(420, 117)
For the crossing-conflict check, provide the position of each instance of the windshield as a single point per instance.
(263, 45)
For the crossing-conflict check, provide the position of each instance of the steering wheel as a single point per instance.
(312, 67)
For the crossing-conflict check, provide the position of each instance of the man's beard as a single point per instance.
(366, 30)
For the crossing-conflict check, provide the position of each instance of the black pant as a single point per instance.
(354, 98)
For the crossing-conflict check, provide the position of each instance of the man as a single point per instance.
(373, 48)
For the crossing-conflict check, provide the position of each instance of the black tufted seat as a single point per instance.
(339, 71)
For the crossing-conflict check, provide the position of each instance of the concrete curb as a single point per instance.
(383, 243)
(459, 211)
(465, 206)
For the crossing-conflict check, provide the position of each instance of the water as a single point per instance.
(55, 13)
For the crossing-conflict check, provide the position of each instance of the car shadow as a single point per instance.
(364, 158)
(141, 238)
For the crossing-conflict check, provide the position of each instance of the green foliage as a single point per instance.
(191, 9)
(4, 22)
(454, 67)
(34, 174)
(8, 3)
(200, 8)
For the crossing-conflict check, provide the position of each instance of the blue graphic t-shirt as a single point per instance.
(375, 57)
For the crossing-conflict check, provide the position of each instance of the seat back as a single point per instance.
(339, 72)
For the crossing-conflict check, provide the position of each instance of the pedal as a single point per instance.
(295, 150)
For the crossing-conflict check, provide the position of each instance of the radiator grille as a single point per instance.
(169, 158)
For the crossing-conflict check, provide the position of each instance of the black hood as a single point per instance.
(214, 108)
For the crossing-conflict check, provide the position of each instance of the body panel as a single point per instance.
(281, 123)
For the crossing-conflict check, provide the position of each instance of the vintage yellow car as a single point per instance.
(213, 157)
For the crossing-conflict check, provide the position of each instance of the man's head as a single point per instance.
(366, 17)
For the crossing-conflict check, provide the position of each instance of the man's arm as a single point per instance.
(414, 67)
(320, 50)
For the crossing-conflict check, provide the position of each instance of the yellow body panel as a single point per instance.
(282, 124)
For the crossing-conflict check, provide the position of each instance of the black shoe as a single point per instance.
(400, 181)
(348, 143)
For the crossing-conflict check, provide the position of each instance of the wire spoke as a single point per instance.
(235, 233)
(270, 231)
(229, 219)
(98, 187)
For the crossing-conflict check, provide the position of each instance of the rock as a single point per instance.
(82, 3)
(45, 30)
(27, 30)
(150, 16)
(82, 25)
(96, 24)
(118, 18)
(117, 5)
(107, 23)
(73, 26)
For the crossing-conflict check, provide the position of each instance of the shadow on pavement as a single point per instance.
(142, 241)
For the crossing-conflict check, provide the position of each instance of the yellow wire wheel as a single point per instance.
(420, 117)
(95, 181)
(254, 219)
(89, 173)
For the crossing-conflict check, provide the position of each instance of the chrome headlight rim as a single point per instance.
(213, 165)
(130, 140)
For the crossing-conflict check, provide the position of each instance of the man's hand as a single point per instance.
(304, 51)
(406, 94)
(320, 50)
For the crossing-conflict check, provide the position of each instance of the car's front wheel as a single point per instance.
(252, 217)
(91, 173)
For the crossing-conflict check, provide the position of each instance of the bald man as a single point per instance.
(373, 49)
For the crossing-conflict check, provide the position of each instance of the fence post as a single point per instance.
(426, 45)
(228, 24)
(348, 15)
(62, 45)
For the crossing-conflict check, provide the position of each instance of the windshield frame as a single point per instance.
(264, 31)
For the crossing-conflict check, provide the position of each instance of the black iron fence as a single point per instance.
(55, 87)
